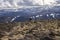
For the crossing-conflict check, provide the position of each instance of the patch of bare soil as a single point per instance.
(33, 30)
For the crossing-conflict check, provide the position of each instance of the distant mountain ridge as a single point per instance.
(26, 14)
(11, 12)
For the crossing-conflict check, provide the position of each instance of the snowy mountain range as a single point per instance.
(23, 10)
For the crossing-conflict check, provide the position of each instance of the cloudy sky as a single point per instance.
(18, 3)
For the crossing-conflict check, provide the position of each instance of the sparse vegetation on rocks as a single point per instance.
(32, 30)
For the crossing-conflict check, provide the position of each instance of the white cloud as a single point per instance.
(19, 3)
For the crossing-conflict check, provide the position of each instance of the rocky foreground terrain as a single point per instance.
(32, 30)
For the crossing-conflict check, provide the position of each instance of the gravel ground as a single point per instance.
(32, 30)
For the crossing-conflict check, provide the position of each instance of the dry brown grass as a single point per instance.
(33, 30)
